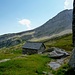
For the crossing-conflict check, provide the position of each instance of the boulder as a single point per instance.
(54, 54)
(54, 65)
(58, 53)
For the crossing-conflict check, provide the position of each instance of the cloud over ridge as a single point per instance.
(68, 4)
(25, 22)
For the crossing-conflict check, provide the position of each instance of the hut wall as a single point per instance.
(42, 49)
(29, 51)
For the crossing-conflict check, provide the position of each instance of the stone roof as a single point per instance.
(33, 45)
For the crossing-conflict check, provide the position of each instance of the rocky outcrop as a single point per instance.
(61, 22)
(72, 59)
(57, 53)
(55, 64)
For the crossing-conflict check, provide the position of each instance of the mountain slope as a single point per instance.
(60, 24)
(57, 24)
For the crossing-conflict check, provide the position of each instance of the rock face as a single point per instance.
(61, 22)
(73, 24)
(72, 60)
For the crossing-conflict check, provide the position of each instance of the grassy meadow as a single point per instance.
(36, 64)
(25, 65)
(64, 42)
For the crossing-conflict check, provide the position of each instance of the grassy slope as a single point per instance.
(11, 52)
(64, 42)
(28, 65)
(22, 65)
(32, 64)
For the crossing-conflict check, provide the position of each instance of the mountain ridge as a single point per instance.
(60, 24)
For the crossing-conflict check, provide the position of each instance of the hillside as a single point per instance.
(64, 42)
(61, 22)
(37, 64)
(57, 26)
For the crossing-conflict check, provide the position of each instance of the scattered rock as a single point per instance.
(54, 54)
(54, 65)
(57, 53)
(4, 60)
(44, 72)
(47, 73)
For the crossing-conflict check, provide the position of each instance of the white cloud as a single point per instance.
(68, 4)
(25, 22)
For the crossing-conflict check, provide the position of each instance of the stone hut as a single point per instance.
(33, 48)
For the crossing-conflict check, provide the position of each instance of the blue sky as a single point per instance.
(21, 15)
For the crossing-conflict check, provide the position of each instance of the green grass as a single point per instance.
(29, 65)
(33, 64)
(11, 52)
(64, 42)
(8, 56)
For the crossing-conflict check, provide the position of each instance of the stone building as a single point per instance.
(33, 48)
